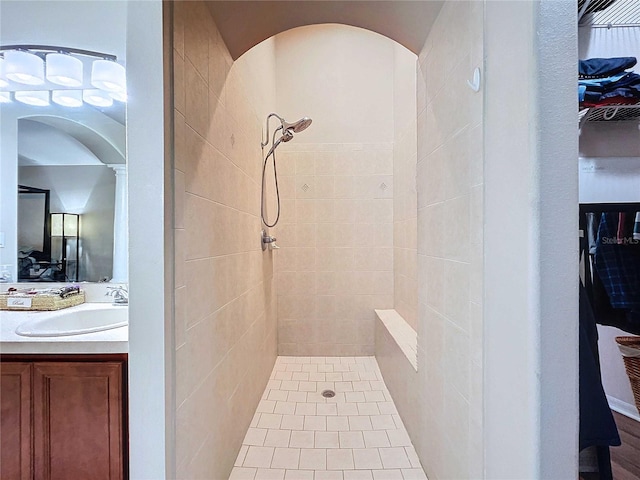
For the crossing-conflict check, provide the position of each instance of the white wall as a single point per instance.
(531, 210)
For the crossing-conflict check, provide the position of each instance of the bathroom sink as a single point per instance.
(85, 318)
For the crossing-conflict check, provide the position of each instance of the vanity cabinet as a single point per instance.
(63, 417)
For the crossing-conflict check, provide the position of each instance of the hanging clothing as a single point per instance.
(597, 425)
(618, 266)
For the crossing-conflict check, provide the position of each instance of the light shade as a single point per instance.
(119, 96)
(64, 70)
(67, 98)
(97, 98)
(5, 97)
(109, 76)
(23, 67)
(65, 224)
(3, 75)
(37, 98)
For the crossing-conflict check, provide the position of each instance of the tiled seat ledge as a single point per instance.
(405, 336)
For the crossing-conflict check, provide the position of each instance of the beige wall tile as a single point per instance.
(226, 306)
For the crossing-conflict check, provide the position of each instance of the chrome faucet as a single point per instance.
(120, 295)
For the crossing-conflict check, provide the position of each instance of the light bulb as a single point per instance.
(37, 98)
(24, 67)
(63, 69)
(109, 76)
(97, 98)
(67, 98)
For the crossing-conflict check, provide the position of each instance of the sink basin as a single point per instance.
(85, 318)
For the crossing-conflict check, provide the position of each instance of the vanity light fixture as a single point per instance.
(63, 69)
(24, 67)
(60, 70)
(36, 98)
(3, 77)
(97, 98)
(67, 98)
(109, 76)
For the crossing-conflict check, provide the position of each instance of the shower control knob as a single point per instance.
(268, 241)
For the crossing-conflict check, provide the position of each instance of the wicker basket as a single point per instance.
(629, 346)
(40, 302)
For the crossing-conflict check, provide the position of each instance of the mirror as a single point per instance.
(64, 164)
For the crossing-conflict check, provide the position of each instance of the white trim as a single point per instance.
(623, 408)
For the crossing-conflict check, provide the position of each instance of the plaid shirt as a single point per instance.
(618, 266)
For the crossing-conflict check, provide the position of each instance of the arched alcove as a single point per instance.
(243, 25)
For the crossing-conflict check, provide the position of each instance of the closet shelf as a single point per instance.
(608, 13)
(610, 113)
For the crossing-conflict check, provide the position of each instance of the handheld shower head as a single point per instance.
(286, 136)
(298, 126)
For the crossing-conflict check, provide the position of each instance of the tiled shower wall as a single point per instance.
(225, 326)
(450, 248)
(335, 264)
(405, 197)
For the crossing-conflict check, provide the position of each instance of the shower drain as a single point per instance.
(328, 394)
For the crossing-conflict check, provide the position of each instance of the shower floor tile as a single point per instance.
(298, 434)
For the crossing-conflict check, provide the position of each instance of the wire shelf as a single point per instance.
(609, 13)
(610, 113)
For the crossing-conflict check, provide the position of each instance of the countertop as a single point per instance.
(115, 340)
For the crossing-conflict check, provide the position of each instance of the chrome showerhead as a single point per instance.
(298, 126)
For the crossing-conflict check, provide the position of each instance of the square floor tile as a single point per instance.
(242, 473)
(313, 459)
(347, 408)
(326, 409)
(241, 455)
(277, 438)
(413, 474)
(269, 474)
(358, 475)
(337, 423)
(269, 420)
(387, 475)
(399, 438)
(302, 439)
(340, 459)
(367, 458)
(383, 422)
(354, 397)
(285, 408)
(351, 440)
(298, 475)
(375, 439)
(259, 457)
(394, 457)
(255, 436)
(292, 422)
(357, 422)
(315, 422)
(328, 475)
(368, 408)
(305, 408)
(286, 458)
(326, 440)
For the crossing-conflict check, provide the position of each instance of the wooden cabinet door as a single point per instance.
(77, 420)
(15, 421)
